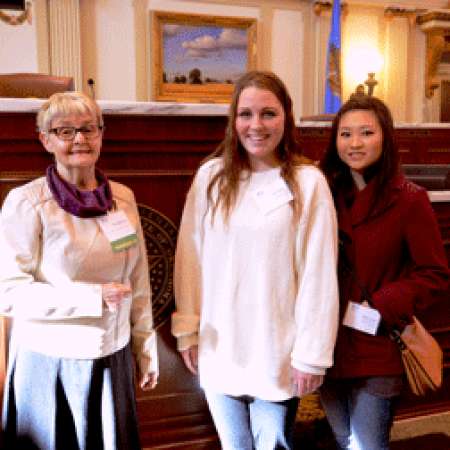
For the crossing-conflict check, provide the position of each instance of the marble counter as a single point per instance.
(174, 109)
(327, 124)
(124, 107)
(439, 196)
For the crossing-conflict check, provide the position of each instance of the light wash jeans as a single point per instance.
(249, 423)
(360, 411)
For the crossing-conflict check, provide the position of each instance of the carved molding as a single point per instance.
(160, 235)
(436, 25)
(23, 176)
(433, 16)
(409, 13)
(19, 19)
(436, 45)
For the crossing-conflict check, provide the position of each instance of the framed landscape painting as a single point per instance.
(197, 58)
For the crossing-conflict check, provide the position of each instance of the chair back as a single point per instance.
(38, 85)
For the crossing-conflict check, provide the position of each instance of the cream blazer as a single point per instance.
(53, 265)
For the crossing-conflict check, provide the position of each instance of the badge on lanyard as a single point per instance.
(118, 230)
(362, 318)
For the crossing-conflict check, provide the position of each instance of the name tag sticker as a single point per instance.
(362, 318)
(118, 230)
(272, 196)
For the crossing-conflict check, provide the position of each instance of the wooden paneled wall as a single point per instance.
(157, 156)
(417, 145)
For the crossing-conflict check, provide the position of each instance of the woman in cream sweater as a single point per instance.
(255, 272)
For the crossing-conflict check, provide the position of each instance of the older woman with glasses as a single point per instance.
(74, 278)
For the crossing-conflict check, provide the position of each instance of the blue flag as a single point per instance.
(333, 69)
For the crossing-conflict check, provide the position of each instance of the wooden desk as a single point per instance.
(157, 155)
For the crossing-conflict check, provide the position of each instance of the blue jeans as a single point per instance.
(360, 411)
(249, 423)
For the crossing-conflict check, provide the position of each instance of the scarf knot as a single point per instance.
(80, 203)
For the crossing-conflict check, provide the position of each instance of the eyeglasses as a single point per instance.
(69, 133)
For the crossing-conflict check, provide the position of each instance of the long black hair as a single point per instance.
(384, 169)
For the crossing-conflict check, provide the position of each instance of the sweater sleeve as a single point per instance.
(143, 335)
(21, 293)
(187, 276)
(316, 310)
(425, 275)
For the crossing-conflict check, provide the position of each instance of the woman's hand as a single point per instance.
(306, 382)
(113, 294)
(147, 381)
(190, 358)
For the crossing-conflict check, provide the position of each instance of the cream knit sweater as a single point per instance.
(258, 294)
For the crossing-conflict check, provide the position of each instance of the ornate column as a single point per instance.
(64, 39)
(403, 63)
(322, 13)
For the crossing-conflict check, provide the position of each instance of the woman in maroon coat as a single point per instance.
(391, 240)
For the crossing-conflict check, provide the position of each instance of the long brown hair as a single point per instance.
(383, 170)
(234, 156)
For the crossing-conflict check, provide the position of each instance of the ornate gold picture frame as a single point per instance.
(197, 58)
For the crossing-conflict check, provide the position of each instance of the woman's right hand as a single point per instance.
(190, 358)
(113, 294)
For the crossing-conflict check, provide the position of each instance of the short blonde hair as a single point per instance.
(64, 104)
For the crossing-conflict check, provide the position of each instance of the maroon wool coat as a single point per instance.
(397, 252)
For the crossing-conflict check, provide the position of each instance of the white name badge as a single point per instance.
(362, 318)
(272, 196)
(118, 230)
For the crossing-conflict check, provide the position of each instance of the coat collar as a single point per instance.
(356, 207)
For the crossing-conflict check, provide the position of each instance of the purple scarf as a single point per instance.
(80, 203)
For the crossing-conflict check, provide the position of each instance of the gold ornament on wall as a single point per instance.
(320, 6)
(409, 13)
(436, 26)
(12, 19)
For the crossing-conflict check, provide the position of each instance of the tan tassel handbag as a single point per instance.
(422, 357)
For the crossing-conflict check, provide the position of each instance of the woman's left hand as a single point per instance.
(306, 382)
(147, 381)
